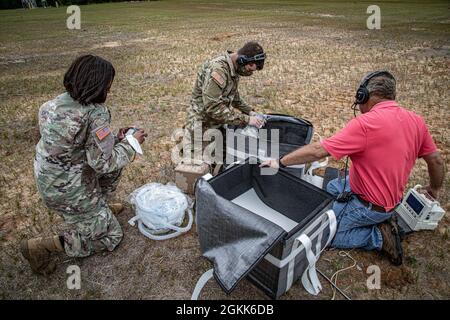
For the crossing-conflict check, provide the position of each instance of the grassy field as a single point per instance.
(317, 53)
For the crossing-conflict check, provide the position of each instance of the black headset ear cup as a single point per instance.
(362, 95)
(241, 60)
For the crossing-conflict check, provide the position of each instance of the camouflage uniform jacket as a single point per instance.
(215, 97)
(76, 146)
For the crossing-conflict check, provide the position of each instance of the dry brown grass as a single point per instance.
(313, 67)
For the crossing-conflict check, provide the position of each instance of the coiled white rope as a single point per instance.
(160, 209)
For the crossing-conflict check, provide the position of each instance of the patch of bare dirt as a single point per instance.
(109, 44)
(398, 278)
(223, 36)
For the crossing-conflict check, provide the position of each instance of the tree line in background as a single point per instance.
(14, 4)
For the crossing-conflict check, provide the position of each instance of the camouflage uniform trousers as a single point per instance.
(199, 150)
(97, 230)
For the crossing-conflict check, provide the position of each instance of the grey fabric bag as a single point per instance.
(231, 237)
(240, 243)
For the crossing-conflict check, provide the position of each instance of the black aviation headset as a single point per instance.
(258, 59)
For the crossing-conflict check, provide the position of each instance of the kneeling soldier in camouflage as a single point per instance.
(215, 98)
(78, 164)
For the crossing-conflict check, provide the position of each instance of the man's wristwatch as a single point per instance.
(280, 164)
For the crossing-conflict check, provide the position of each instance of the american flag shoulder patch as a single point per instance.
(218, 78)
(102, 133)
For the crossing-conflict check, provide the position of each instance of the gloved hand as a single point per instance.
(140, 136)
(272, 163)
(121, 133)
(256, 121)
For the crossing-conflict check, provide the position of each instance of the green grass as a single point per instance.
(23, 25)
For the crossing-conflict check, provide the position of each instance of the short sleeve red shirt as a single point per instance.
(383, 145)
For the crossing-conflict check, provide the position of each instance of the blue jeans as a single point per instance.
(356, 223)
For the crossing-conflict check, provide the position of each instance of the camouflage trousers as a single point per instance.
(199, 150)
(97, 230)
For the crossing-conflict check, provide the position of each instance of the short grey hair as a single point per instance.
(382, 86)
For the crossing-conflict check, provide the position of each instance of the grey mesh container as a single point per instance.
(221, 225)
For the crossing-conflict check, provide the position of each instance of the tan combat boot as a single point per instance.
(392, 246)
(115, 208)
(37, 252)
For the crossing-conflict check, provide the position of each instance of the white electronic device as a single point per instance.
(420, 211)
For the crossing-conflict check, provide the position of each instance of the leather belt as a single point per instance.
(375, 207)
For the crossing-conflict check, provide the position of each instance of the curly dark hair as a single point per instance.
(88, 79)
(250, 49)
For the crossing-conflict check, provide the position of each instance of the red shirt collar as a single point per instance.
(385, 104)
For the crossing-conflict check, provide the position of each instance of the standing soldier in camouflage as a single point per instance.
(78, 164)
(215, 99)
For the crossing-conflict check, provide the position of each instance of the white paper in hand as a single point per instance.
(134, 143)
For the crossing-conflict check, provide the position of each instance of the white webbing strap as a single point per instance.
(295, 251)
(298, 246)
(201, 283)
(319, 243)
(313, 179)
(316, 165)
(314, 286)
(311, 284)
(333, 227)
(291, 267)
(281, 263)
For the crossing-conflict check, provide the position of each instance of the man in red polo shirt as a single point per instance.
(383, 144)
